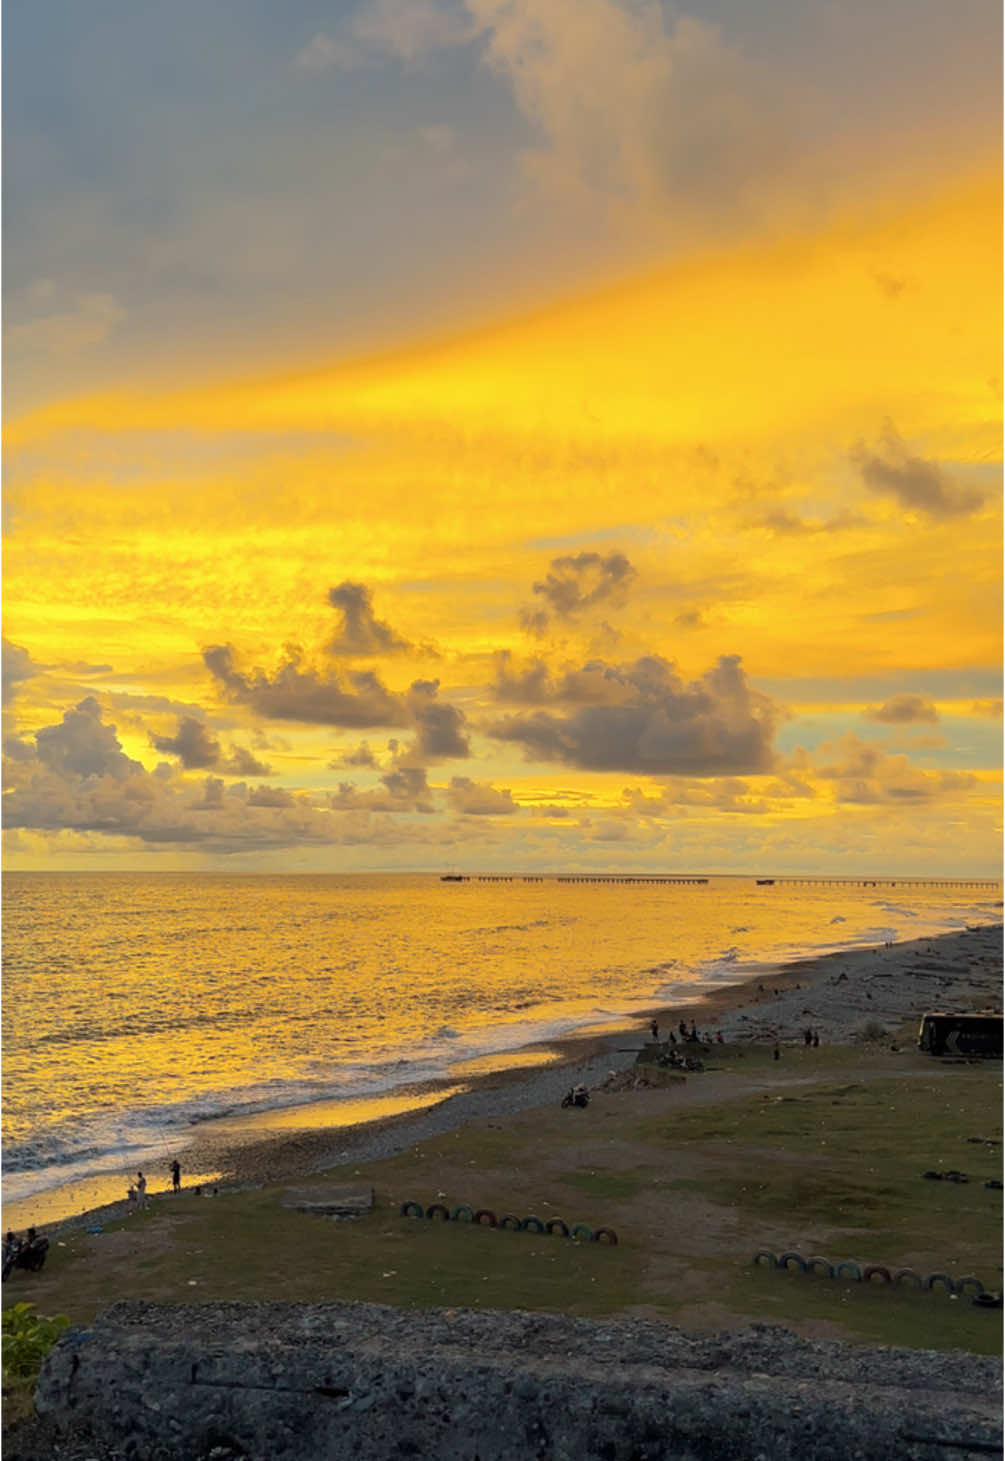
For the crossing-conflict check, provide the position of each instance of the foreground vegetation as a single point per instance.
(822, 1152)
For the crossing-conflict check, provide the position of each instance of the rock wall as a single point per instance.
(277, 1382)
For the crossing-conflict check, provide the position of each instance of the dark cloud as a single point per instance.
(903, 710)
(199, 750)
(595, 683)
(193, 743)
(439, 725)
(297, 692)
(81, 745)
(78, 779)
(361, 756)
(270, 796)
(405, 789)
(479, 798)
(790, 524)
(529, 685)
(576, 582)
(15, 666)
(361, 633)
(241, 762)
(653, 723)
(916, 483)
(17, 750)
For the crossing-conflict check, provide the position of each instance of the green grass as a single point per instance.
(876, 1313)
(830, 1163)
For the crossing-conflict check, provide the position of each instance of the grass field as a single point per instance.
(822, 1152)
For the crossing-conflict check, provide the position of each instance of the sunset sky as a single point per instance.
(511, 434)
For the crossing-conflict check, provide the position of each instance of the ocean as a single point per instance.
(138, 1006)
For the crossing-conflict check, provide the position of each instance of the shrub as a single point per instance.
(873, 1031)
(27, 1339)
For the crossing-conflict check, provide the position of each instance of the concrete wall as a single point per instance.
(307, 1382)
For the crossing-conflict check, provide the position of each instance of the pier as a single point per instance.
(984, 885)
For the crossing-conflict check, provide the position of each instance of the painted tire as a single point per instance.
(932, 1176)
(908, 1275)
(848, 1265)
(532, 1225)
(961, 1285)
(766, 1253)
(513, 1224)
(869, 1273)
(580, 1230)
(943, 1278)
(436, 1209)
(412, 1209)
(994, 1184)
(487, 1215)
(606, 1235)
(784, 1259)
(822, 1265)
(987, 1301)
(463, 1214)
(556, 1225)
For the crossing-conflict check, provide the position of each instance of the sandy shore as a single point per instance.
(838, 995)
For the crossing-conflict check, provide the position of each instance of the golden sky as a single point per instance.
(655, 526)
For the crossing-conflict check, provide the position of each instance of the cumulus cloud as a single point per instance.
(652, 722)
(82, 745)
(361, 633)
(193, 743)
(479, 798)
(918, 484)
(903, 710)
(439, 725)
(595, 683)
(404, 789)
(361, 756)
(242, 762)
(297, 691)
(863, 772)
(79, 780)
(575, 583)
(199, 750)
(15, 666)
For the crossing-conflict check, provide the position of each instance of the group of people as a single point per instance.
(27, 1252)
(137, 1193)
(686, 1034)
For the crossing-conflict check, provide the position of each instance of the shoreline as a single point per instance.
(837, 994)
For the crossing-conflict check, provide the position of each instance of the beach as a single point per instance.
(844, 997)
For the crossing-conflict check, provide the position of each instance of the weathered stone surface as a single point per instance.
(307, 1382)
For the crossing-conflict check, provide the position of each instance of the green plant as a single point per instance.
(27, 1339)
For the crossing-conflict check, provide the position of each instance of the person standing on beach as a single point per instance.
(654, 1027)
(141, 1191)
(176, 1175)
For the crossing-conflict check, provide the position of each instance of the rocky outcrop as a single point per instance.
(307, 1382)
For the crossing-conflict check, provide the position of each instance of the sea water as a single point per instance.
(138, 1006)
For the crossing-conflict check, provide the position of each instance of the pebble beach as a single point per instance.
(857, 994)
